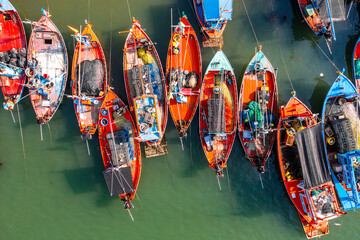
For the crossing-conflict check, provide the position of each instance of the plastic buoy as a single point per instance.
(330, 140)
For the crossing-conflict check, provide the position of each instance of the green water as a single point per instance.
(58, 191)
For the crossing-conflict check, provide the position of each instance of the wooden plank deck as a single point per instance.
(157, 150)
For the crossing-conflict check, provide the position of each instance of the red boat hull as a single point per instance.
(12, 35)
(111, 127)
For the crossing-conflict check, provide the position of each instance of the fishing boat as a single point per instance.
(356, 64)
(218, 112)
(213, 16)
(47, 68)
(89, 65)
(183, 72)
(120, 149)
(258, 110)
(12, 54)
(341, 138)
(303, 167)
(321, 15)
(145, 85)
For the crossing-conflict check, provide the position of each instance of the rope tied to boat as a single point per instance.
(252, 27)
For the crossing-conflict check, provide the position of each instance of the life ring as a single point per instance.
(143, 127)
(176, 50)
(29, 72)
(104, 112)
(177, 37)
(216, 90)
(341, 101)
(94, 44)
(101, 129)
(257, 66)
(104, 122)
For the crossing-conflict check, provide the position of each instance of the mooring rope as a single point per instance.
(48, 6)
(326, 55)
(110, 47)
(129, 9)
(281, 52)
(22, 142)
(88, 10)
(48, 124)
(252, 27)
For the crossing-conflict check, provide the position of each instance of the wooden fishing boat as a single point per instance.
(341, 137)
(356, 64)
(321, 15)
(258, 110)
(12, 55)
(183, 72)
(213, 16)
(89, 65)
(47, 68)
(310, 12)
(303, 167)
(120, 149)
(145, 85)
(218, 111)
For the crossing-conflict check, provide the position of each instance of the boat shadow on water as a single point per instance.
(89, 179)
(251, 201)
(317, 98)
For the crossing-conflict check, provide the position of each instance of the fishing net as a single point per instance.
(312, 156)
(120, 147)
(92, 77)
(216, 113)
(337, 10)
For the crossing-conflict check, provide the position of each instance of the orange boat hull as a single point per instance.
(88, 121)
(183, 56)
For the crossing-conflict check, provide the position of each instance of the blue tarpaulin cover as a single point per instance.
(213, 9)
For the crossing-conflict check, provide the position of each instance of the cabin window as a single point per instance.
(48, 41)
(7, 17)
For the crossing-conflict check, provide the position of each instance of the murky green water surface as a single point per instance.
(58, 191)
